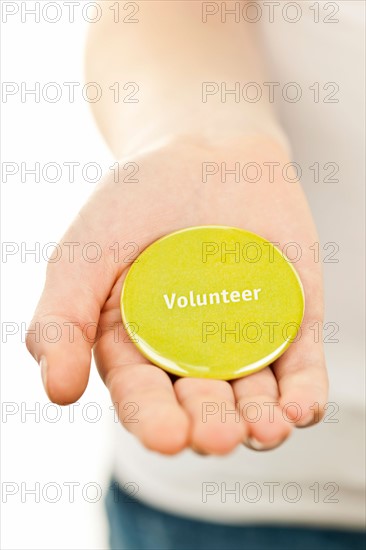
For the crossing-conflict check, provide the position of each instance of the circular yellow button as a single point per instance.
(212, 302)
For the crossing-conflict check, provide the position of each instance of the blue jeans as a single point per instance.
(136, 526)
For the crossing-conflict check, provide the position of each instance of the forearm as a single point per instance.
(182, 67)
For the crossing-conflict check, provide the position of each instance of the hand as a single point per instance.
(169, 196)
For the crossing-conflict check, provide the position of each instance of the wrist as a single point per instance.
(272, 143)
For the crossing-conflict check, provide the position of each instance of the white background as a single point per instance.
(80, 451)
(42, 451)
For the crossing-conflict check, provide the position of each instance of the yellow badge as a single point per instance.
(212, 302)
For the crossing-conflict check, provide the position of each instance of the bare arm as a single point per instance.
(170, 53)
(190, 75)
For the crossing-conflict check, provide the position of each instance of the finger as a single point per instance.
(62, 331)
(302, 378)
(210, 404)
(301, 371)
(258, 401)
(142, 393)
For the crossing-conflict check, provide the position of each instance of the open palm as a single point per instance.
(124, 217)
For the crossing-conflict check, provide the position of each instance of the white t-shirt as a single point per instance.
(317, 476)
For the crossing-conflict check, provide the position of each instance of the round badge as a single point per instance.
(212, 302)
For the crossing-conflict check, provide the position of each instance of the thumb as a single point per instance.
(61, 335)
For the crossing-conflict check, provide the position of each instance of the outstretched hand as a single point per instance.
(83, 292)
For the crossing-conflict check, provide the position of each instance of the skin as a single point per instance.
(169, 196)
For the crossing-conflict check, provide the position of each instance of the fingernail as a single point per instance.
(256, 445)
(198, 451)
(305, 422)
(253, 443)
(44, 366)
